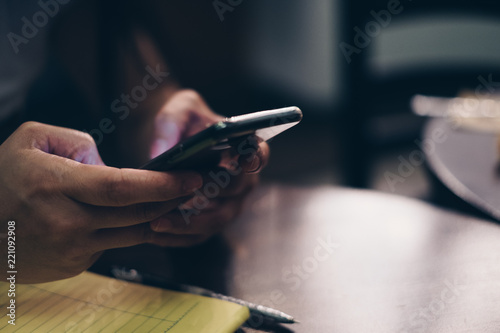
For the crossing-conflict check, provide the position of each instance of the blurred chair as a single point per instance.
(377, 105)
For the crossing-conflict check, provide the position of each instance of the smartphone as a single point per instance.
(204, 149)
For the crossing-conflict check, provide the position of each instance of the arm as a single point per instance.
(169, 115)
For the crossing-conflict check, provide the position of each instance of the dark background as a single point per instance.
(252, 55)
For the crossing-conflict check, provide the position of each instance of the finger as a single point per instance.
(63, 151)
(196, 222)
(105, 239)
(105, 186)
(222, 183)
(59, 141)
(185, 114)
(237, 186)
(254, 163)
(251, 154)
(168, 131)
(75, 145)
(190, 102)
(113, 217)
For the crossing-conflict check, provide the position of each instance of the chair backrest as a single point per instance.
(367, 21)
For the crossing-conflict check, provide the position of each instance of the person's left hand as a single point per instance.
(220, 200)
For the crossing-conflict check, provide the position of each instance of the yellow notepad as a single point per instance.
(93, 303)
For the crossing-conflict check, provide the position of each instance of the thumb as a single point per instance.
(168, 132)
(63, 142)
(185, 114)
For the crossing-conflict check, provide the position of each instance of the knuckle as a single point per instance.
(114, 187)
(63, 230)
(87, 138)
(191, 95)
(86, 144)
(191, 98)
(30, 126)
(29, 130)
(41, 189)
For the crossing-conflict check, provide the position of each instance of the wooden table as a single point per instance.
(344, 260)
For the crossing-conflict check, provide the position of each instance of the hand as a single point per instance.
(221, 198)
(68, 206)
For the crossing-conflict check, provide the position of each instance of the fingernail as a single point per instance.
(155, 225)
(255, 164)
(159, 146)
(193, 182)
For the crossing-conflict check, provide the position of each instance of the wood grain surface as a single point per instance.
(343, 260)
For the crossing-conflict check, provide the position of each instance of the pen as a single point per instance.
(133, 275)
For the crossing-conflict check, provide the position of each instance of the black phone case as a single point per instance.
(203, 150)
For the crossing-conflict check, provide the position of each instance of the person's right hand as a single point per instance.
(68, 206)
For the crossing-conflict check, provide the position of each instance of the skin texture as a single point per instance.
(69, 207)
